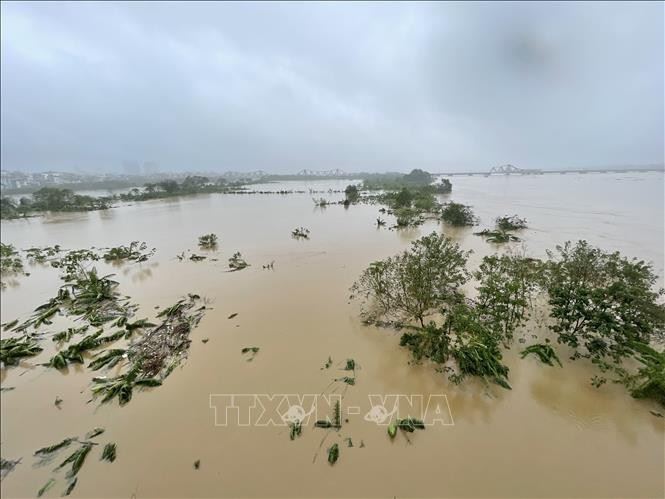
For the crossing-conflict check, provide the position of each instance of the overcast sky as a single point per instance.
(361, 87)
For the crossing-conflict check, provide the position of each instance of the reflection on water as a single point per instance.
(552, 424)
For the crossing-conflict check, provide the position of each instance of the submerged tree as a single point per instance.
(505, 286)
(605, 308)
(416, 283)
(352, 194)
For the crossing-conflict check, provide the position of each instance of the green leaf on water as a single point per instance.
(46, 487)
(333, 454)
(108, 454)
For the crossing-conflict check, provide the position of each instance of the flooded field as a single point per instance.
(552, 435)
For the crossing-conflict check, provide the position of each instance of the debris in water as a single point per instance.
(392, 430)
(205, 340)
(328, 363)
(93, 433)
(208, 241)
(14, 349)
(323, 423)
(236, 262)
(347, 380)
(57, 402)
(295, 428)
(333, 454)
(349, 442)
(362, 444)
(108, 454)
(77, 458)
(251, 350)
(53, 448)
(6, 466)
(70, 487)
(197, 464)
(235, 314)
(657, 414)
(46, 487)
(300, 233)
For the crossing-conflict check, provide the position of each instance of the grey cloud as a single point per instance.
(362, 86)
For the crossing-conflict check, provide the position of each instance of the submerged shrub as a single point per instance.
(208, 241)
(458, 214)
(507, 223)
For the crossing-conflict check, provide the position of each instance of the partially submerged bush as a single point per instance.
(507, 223)
(208, 241)
(458, 214)
(236, 262)
(300, 233)
(352, 194)
(134, 252)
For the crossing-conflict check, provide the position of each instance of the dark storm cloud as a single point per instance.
(357, 86)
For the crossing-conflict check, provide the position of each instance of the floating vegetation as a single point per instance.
(410, 424)
(349, 442)
(136, 251)
(392, 430)
(94, 432)
(44, 451)
(252, 351)
(545, 353)
(497, 236)
(300, 233)
(70, 487)
(347, 380)
(74, 353)
(507, 223)
(269, 266)
(109, 452)
(121, 386)
(350, 365)
(236, 262)
(46, 487)
(66, 335)
(208, 241)
(57, 402)
(10, 260)
(333, 454)
(76, 459)
(197, 258)
(155, 355)
(9, 325)
(321, 202)
(7, 466)
(337, 415)
(328, 363)
(295, 429)
(380, 222)
(12, 350)
(41, 255)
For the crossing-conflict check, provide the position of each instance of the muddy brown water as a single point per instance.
(552, 435)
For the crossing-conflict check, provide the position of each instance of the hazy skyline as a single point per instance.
(360, 87)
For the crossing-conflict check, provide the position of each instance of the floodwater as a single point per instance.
(552, 435)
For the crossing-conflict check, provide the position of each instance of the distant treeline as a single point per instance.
(58, 199)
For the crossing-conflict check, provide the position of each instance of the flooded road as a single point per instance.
(552, 435)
